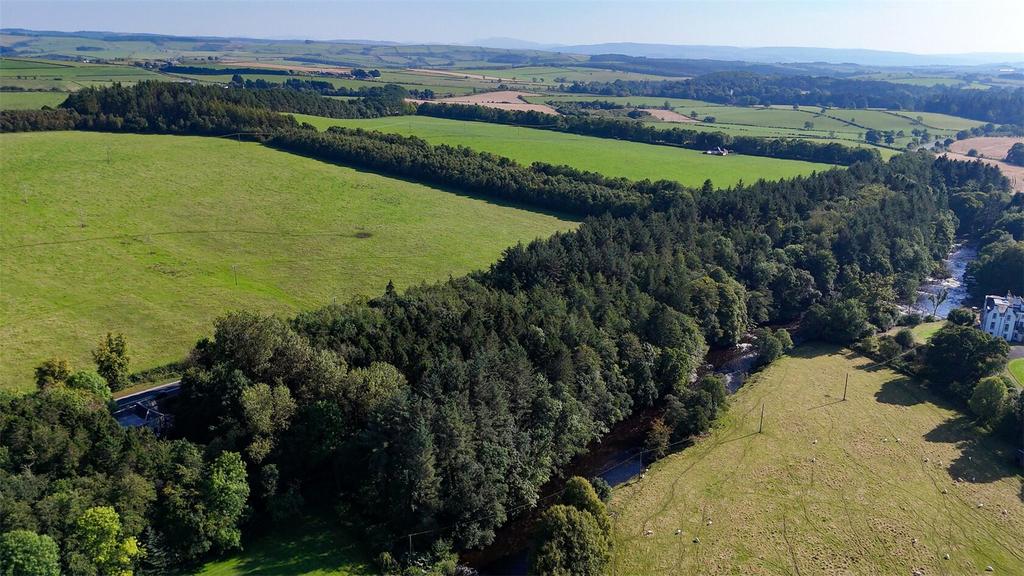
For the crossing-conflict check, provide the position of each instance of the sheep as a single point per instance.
(679, 531)
(648, 532)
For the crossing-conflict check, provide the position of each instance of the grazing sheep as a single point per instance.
(648, 532)
(679, 531)
(945, 557)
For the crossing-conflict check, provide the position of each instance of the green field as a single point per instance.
(610, 157)
(155, 236)
(924, 332)
(309, 548)
(844, 125)
(68, 76)
(1016, 368)
(30, 100)
(830, 487)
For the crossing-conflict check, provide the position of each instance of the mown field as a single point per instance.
(607, 156)
(155, 236)
(30, 100)
(888, 482)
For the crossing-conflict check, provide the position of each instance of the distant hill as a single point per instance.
(795, 54)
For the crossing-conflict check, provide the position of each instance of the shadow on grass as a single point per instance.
(310, 545)
(982, 459)
(900, 392)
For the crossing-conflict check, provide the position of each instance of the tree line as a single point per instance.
(442, 410)
(604, 127)
(179, 108)
(998, 105)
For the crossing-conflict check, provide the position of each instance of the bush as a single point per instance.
(905, 338)
(601, 487)
(961, 317)
(912, 319)
(90, 382)
(888, 348)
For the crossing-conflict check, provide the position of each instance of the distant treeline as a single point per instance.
(603, 127)
(169, 107)
(207, 71)
(999, 105)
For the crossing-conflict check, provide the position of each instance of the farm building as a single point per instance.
(1004, 317)
(717, 151)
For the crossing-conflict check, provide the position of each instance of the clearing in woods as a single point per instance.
(871, 485)
(607, 156)
(155, 236)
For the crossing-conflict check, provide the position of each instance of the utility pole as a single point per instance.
(760, 425)
(845, 386)
(234, 271)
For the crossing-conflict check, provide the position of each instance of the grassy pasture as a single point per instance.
(1016, 369)
(610, 157)
(155, 236)
(30, 100)
(68, 76)
(830, 487)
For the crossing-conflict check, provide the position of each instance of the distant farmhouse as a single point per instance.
(1003, 316)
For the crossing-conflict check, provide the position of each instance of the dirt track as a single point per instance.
(993, 149)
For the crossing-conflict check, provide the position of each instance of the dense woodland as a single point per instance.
(998, 105)
(178, 108)
(443, 410)
(604, 127)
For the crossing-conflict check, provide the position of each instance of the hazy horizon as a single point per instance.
(937, 27)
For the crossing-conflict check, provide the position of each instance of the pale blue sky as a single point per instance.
(922, 26)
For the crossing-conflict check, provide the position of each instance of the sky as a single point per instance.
(920, 26)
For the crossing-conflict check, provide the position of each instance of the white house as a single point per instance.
(1004, 317)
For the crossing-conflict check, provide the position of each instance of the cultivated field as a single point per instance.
(888, 482)
(501, 99)
(992, 149)
(155, 236)
(610, 157)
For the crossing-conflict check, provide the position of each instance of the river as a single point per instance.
(956, 266)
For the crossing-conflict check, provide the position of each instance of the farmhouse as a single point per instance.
(1004, 317)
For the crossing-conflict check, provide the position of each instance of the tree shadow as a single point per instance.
(900, 392)
(982, 459)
